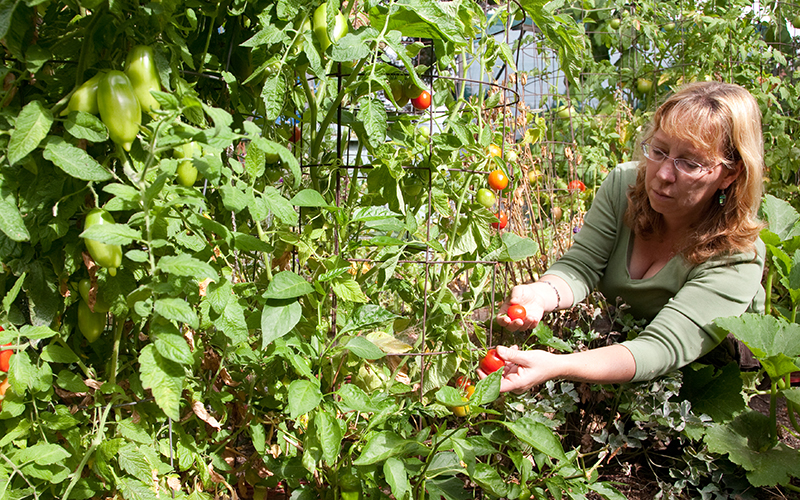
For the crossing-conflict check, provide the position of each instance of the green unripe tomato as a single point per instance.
(411, 90)
(119, 108)
(644, 85)
(796, 21)
(486, 197)
(511, 156)
(100, 305)
(91, 324)
(105, 255)
(140, 66)
(85, 97)
(614, 23)
(321, 26)
(187, 173)
(398, 93)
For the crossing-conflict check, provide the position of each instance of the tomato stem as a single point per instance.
(119, 324)
(98, 439)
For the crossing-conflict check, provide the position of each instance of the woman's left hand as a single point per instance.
(524, 369)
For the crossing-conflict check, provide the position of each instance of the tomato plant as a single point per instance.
(486, 197)
(422, 101)
(516, 311)
(494, 151)
(85, 97)
(491, 362)
(502, 220)
(498, 180)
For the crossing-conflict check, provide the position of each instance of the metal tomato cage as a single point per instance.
(508, 114)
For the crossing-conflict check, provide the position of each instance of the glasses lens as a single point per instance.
(688, 166)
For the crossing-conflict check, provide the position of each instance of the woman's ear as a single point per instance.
(731, 174)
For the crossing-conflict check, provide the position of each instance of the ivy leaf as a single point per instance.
(164, 378)
(32, 126)
(304, 396)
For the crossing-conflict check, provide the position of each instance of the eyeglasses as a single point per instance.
(688, 167)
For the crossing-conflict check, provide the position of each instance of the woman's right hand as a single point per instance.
(529, 297)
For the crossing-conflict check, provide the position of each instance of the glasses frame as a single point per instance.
(647, 149)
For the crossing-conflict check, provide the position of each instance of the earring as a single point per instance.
(722, 198)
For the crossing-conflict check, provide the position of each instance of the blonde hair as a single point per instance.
(715, 117)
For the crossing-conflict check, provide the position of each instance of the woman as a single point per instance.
(675, 236)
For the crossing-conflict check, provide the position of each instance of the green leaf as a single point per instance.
(782, 217)
(232, 323)
(718, 395)
(304, 396)
(32, 126)
(367, 316)
(373, 116)
(177, 310)
(82, 125)
(364, 349)
(449, 396)
(11, 222)
(53, 353)
(309, 198)
(74, 161)
(70, 381)
(42, 454)
(537, 435)
(487, 389)
(111, 234)
(278, 319)
(287, 285)
(746, 441)
(394, 471)
(774, 341)
(12, 294)
(173, 346)
(164, 378)
(383, 445)
(280, 206)
(354, 46)
(37, 332)
(347, 288)
(273, 93)
(185, 265)
(233, 199)
(329, 434)
(248, 243)
(489, 479)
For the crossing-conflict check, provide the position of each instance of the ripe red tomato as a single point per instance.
(463, 382)
(502, 221)
(422, 101)
(5, 358)
(491, 362)
(296, 134)
(516, 311)
(498, 180)
(576, 185)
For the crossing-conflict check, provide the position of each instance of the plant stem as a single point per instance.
(98, 438)
(119, 324)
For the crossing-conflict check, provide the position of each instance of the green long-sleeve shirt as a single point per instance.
(680, 302)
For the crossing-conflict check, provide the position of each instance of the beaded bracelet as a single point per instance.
(558, 295)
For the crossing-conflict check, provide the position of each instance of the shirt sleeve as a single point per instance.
(585, 262)
(683, 330)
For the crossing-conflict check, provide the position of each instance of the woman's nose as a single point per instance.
(666, 170)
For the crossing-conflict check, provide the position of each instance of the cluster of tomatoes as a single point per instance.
(498, 181)
(408, 91)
